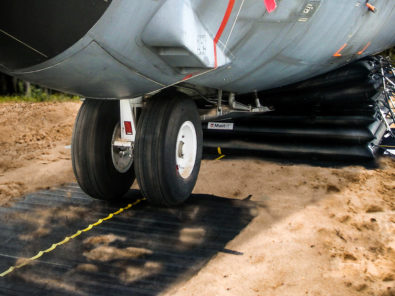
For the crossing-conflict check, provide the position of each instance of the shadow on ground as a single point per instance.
(142, 251)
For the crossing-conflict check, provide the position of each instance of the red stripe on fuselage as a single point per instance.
(187, 77)
(222, 28)
(270, 5)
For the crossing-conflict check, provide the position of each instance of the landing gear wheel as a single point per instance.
(168, 149)
(102, 170)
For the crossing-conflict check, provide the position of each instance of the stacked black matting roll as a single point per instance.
(339, 115)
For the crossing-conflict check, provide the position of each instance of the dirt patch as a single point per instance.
(192, 236)
(100, 249)
(55, 284)
(109, 253)
(41, 220)
(132, 273)
(33, 137)
(320, 231)
(103, 240)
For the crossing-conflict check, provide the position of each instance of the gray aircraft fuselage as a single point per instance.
(127, 48)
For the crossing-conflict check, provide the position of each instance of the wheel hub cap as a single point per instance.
(186, 149)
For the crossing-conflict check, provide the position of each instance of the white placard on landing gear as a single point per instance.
(128, 123)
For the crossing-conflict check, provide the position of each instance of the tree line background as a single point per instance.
(11, 86)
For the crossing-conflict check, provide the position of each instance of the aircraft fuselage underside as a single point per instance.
(127, 48)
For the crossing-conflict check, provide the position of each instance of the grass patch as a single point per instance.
(35, 94)
(42, 98)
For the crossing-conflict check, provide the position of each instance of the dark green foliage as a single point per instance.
(390, 53)
(16, 90)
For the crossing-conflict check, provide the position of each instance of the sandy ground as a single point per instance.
(318, 231)
(32, 144)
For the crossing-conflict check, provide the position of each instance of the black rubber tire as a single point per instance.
(91, 151)
(155, 157)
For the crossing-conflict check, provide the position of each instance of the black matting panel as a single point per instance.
(139, 252)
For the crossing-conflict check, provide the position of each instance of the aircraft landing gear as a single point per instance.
(168, 149)
(103, 171)
(164, 153)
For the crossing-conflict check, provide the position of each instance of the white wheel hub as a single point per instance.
(186, 149)
(122, 155)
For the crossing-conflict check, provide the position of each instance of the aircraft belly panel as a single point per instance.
(94, 71)
(231, 44)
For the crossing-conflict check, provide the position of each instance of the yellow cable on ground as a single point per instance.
(386, 146)
(220, 154)
(68, 238)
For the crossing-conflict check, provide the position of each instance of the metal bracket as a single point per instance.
(219, 103)
(234, 105)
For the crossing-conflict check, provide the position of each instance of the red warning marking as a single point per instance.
(222, 28)
(371, 7)
(365, 48)
(271, 5)
(128, 127)
(187, 77)
(338, 53)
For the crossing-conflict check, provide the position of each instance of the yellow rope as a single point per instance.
(220, 154)
(68, 238)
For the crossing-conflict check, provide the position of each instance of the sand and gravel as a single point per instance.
(318, 230)
(33, 137)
